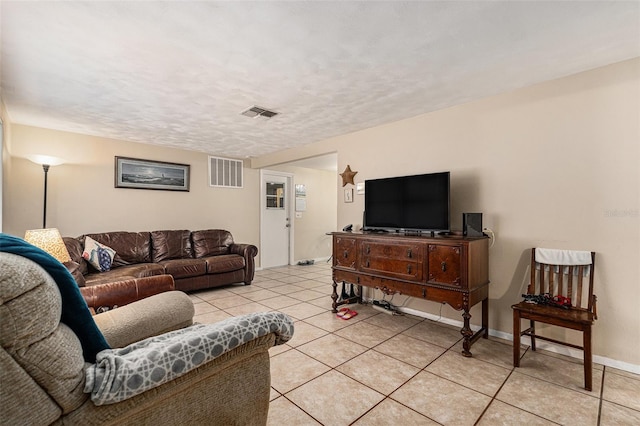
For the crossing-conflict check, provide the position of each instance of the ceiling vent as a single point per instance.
(256, 111)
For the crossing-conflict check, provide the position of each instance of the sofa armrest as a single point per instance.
(120, 293)
(249, 252)
(148, 317)
(232, 389)
(119, 374)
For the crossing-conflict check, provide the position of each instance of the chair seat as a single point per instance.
(579, 316)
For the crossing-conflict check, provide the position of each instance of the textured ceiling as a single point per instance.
(180, 73)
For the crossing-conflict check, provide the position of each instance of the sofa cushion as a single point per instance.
(76, 271)
(130, 247)
(211, 242)
(125, 272)
(224, 263)
(185, 268)
(98, 255)
(75, 247)
(169, 245)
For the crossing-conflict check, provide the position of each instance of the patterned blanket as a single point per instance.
(119, 374)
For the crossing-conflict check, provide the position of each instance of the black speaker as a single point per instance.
(472, 224)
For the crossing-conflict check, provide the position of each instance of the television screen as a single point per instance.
(407, 203)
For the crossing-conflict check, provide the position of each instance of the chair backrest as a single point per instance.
(39, 353)
(571, 275)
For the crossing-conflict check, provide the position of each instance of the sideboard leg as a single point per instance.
(334, 296)
(467, 334)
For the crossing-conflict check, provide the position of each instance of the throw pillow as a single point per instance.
(98, 255)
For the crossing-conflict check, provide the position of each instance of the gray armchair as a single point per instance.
(45, 378)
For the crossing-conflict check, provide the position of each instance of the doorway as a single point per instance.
(276, 226)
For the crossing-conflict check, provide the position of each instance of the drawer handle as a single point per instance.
(424, 292)
(444, 266)
(368, 249)
(346, 254)
(408, 269)
(409, 253)
(367, 264)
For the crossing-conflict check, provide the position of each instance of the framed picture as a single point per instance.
(301, 190)
(147, 174)
(348, 195)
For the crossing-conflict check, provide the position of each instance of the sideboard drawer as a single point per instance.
(397, 260)
(392, 251)
(400, 269)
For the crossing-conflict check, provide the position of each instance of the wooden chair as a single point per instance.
(556, 279)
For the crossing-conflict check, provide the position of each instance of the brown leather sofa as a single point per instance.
(195, 259)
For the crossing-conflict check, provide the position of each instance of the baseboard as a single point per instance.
(525, 340)
(316, 260)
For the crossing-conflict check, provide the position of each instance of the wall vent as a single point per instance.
(256, 111)
(225, 172)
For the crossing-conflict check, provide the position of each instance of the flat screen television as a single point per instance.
(418, 203)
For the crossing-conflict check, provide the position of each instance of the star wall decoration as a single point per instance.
(347, 176)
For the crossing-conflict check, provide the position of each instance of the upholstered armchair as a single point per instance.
(195, 374)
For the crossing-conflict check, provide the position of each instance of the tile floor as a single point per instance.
(378, 369)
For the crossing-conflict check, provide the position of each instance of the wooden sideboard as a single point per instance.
(445, 269)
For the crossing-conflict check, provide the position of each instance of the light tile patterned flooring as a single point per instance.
(378, 369)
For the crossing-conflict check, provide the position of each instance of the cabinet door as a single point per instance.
(344, 252)
(444, 264)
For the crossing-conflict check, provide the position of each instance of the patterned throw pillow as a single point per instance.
(98, 255)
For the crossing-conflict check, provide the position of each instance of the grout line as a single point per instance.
(604, 371)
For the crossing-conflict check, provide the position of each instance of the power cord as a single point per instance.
(491, 235)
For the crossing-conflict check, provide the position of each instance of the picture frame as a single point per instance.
(137, 173)
(348, 195)
(301, 190)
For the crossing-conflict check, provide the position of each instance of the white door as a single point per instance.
(275, 229)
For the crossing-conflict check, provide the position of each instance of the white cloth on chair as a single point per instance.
(563, 257)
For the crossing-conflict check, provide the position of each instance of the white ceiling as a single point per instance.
(180, 73)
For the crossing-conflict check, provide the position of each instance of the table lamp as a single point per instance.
(50, 241)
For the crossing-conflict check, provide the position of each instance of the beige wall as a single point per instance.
(553, 165)
(82, 197)
(310, 239)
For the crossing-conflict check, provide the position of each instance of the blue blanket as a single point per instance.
(75, 312)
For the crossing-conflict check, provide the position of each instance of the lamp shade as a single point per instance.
(49, 240)
(46, 159)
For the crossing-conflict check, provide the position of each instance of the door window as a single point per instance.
(275, 195)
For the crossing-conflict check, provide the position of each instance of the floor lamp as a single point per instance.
(46, 162)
